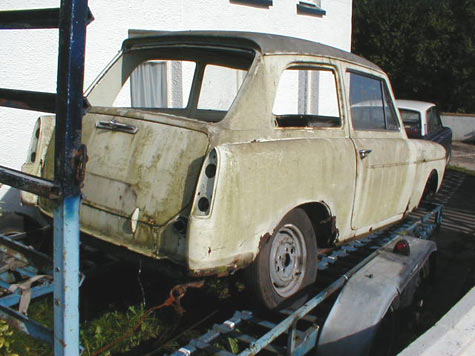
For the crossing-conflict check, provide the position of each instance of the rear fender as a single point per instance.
(40, 139)
(362, 304)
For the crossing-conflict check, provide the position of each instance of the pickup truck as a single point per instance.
(422, 121)
(219, 151)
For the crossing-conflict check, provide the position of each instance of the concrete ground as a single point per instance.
(463, 155)
(448, 319)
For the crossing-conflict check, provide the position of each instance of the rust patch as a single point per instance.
(263, 240)
(178, 292)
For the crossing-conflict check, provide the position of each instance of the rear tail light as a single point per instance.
(204, 194)
(402, 247)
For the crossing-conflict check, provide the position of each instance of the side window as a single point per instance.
(307, 97)
(371, 104)
(389, 111)
(433, 119)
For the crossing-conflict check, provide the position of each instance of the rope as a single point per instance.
(176, 293)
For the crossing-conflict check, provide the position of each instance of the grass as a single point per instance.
(94, 334)
(461, 169)
(109, 325)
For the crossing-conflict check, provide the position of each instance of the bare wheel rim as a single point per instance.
(287, 260)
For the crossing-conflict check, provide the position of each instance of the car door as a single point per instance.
(383, 155)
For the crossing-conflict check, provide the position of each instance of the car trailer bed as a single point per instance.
(375, 279)
(353, 272)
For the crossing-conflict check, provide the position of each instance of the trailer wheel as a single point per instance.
(384, 342)
(286, 263)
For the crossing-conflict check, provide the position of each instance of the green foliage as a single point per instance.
(112, 325)
(426, 46)
(6, 339)
(94, 334)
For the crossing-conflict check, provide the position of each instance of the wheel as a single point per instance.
(384, 342)
(286, 263)
(429, 189)
(448, 156)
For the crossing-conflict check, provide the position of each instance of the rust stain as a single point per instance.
(263, 240)
(178, 292)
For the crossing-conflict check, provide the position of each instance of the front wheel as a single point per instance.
(286, 263)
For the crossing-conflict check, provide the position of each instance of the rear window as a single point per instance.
(198, 83)
(412, 122)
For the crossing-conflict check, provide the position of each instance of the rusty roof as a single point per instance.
(265, 43)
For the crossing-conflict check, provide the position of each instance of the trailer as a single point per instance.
(360, 286)
(352, 307)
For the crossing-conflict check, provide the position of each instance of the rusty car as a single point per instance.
(220, 151)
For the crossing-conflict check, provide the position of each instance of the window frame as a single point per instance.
(385, 89)
(338, 87)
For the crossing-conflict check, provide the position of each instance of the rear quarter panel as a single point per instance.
(430, 157)
(257, 184)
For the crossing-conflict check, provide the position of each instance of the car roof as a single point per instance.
(265, 43)
(413, 105)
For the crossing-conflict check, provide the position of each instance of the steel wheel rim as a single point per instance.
(287, 260)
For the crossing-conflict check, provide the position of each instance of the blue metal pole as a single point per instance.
(70, 159)
(66, 277)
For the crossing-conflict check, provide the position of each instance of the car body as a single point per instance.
(422, 121)
(253, 151)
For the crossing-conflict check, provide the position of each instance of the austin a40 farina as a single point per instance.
(220, 151)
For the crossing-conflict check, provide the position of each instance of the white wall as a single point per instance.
(28, 59)
(462, 125)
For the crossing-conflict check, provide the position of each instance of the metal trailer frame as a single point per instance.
(69, 105)
(335, 337)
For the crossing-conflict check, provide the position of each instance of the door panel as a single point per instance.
(384, 164)
(381, 185)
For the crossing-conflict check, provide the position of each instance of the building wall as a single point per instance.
(462, 125)
(28, 59)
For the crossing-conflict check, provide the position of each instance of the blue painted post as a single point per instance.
(70, 158)
(66, 277)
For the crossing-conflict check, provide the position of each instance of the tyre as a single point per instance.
(384, 342)
(286, 263)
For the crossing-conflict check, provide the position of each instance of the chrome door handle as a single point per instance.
(116, 126)
(364, 152)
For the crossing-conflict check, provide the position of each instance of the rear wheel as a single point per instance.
(286, 263)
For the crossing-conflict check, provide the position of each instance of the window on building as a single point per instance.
(307, 97)
(310, 7)
(371, 104)
(260, 3)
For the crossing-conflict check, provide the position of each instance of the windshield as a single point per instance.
(412, 122)
(198, 83)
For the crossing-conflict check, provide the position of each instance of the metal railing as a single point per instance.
(69, 106)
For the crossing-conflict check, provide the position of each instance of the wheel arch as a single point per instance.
(323, 222)
(432, 183)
